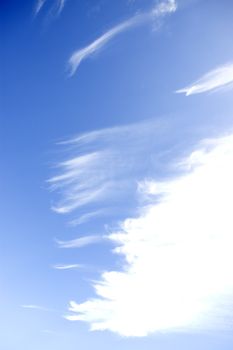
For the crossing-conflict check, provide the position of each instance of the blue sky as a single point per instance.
(116, 153)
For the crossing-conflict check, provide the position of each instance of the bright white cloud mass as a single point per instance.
(178, 253)
(221, 77)
(160, 10)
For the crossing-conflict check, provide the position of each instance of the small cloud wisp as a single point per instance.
(39, 5)
(219, 78)
(67, 267)
(80, 242)
(163, 8)
(56, 9)
(35, 307)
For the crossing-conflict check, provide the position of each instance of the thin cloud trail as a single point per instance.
(57, 8)
(36, 307)
(39, 6)
(33, 306)
(80, 242)
(163, 8)
(178, 253)
(67, 267)
(87, 217)
(60, 6)
(219, 78)
(73, 180)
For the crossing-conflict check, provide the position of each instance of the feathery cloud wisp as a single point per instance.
(163, 8)
(80, 242)
(39, 5)
(81, 54)
(67, 267)
(57, 8)
(178, 252)
(100, 162)
(86, 217)
(221, 77)
(35, 307)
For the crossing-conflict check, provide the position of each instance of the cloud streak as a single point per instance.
(219, 78)
(35, 307)
(39, 6)
(178, 253)
(67, 267)
(80, 242)
(163, 8)
(57, 7)
(82, 219)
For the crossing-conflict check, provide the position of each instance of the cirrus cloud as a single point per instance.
(219, 78)
(160, 10)
(57, 7)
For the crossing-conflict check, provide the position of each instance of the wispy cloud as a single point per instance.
(39, 6)
(82, 54)
(79, 192)
(60, 6)
(82, 219)
(80, 242)
(221, 77)
(57, 7)
(178, 252)
(67, 267)
(105, 164)
(163, 8)
(35, 307)
(48, 331)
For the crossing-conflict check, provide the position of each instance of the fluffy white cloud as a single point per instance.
(35, 307)
(178, 253)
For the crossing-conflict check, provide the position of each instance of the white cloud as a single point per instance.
(98, 164)
(178, 252)
(80, 242)
(164, 7)
(60, 6)
(35, 307)
(221, 77)
(39, 5)
(78, 191)
(67, 267)
(56, 9)
(82, 219)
